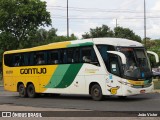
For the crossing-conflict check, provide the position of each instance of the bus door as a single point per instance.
(114, 73)
(112, 66)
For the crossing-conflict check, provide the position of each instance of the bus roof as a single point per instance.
(117, 42)
(110, 41)
(84, 42)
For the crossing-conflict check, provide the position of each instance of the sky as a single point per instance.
(86, 14)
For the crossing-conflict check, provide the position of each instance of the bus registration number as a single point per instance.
(142, 91)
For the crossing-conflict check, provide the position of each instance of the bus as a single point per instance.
(97, 67)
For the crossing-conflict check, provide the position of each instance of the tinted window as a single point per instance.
(88, 55)
(58, 56)
(76, 55)
(63, 56)
(70, 55)
(14, 60)
(39, 58)
(8, 60)
(54, 57)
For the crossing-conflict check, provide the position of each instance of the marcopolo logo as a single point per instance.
(33, 71)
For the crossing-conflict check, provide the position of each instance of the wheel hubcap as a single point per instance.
(21, 90)
(96, 92)
(31, 91)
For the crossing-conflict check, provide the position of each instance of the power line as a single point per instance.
(63, 17)
(101, 10)
(88, 17)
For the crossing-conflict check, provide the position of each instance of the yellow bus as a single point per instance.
(96, 67)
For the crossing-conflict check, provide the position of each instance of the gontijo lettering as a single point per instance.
(33, 71)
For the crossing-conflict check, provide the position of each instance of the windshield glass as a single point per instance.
(137, 65)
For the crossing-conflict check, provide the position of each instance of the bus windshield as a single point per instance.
(137, 66)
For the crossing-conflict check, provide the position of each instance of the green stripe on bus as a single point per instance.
(64, 76)
(146, 81)
(80, 44)
(70, 75)
(57, 76)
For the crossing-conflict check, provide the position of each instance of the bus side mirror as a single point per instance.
(155, 54)
(121, 55)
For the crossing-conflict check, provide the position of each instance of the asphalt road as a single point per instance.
(146, 102)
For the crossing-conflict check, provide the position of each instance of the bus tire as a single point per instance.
(22, 91)
(31, 91)
(96, 92)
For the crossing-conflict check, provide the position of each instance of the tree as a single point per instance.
(42, 36)
(149, 43)
(86, 35)
(52, 33)
(121, 32)
(153, 45)
(19, 19)
(103, 31)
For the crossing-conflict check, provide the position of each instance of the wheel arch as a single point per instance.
(28, 83)
(91, 84)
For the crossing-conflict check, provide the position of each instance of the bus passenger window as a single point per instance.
(76, 55)
(17, 60)
(86, 59)
(70, 54)
(8, 60)
(39, 58)
(88, 55)
(62, 56)
(53, 57)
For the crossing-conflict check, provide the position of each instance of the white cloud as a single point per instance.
(80, 26)
(156, 6)
(127, 4)
(153, 29)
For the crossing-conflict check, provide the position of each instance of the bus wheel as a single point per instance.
(22, 91)
(31, 91)
(96, 92)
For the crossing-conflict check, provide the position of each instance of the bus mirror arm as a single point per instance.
(155, 54)
(121, 55)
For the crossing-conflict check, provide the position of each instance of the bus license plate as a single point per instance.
(142, 91)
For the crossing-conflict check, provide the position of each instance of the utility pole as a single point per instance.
(145, 23)
(116, 23)
(67, 21)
